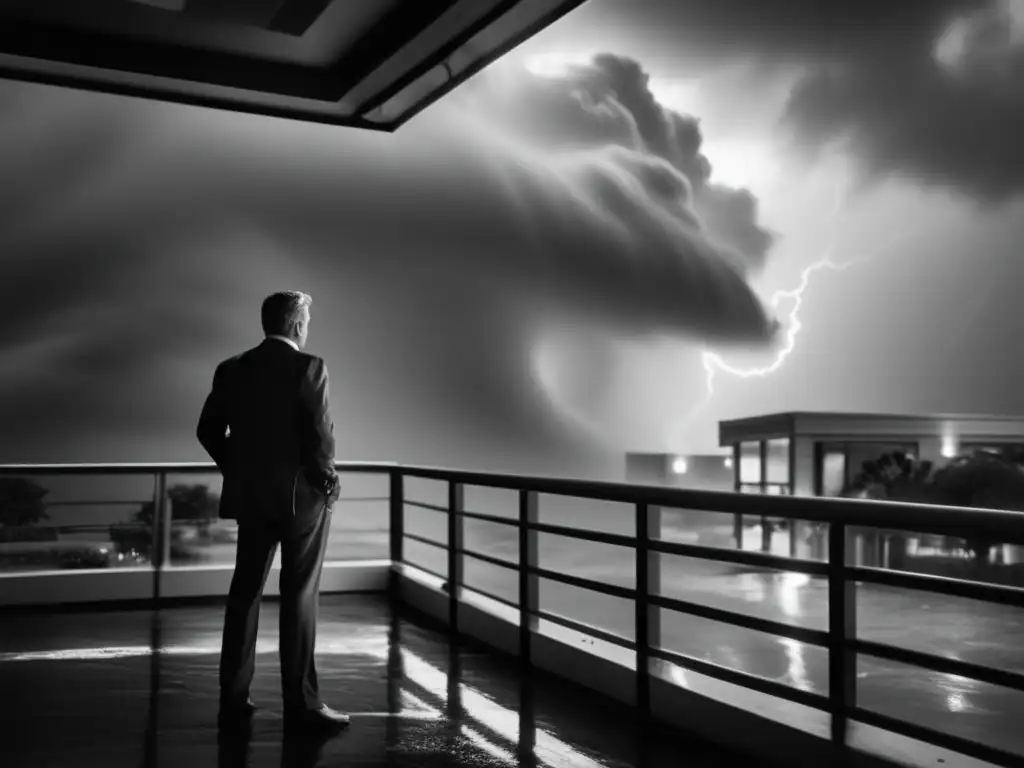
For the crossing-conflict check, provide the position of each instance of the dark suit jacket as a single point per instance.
(267, 425)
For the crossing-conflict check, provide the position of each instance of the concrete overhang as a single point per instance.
(359, 63)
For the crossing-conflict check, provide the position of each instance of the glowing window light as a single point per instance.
(679, 466)
(949, 447)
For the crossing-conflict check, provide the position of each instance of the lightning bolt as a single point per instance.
(713, 363)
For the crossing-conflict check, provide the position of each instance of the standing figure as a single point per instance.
(267, 425)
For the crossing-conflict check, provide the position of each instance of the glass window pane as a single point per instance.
(778, 460)
(833, 472)
(750, 462)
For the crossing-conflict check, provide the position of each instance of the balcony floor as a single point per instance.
(84, 688)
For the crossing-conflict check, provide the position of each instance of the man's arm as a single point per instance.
(319, 456)
(213, 421)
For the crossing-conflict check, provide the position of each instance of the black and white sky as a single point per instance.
(540, 271)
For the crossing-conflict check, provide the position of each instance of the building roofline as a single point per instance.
(856, 415)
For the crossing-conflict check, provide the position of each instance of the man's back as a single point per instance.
(272, 400)
(267, 425)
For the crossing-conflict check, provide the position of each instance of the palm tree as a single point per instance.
(892, 476)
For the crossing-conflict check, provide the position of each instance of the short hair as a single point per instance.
(282, 310)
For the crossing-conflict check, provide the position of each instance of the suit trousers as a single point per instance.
(303, 541)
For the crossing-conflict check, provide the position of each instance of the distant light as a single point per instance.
(949, 447)
(679, 466)
(728, 462)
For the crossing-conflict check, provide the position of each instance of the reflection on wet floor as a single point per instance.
(88, 689)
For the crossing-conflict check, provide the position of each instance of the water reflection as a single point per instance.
(790, 593)
(419, 690)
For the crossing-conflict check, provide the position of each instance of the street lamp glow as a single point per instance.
(679, 465)
(728, 462)
(949, 447)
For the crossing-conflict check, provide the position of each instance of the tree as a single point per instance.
(985, 480)
(980, 479)
(189, 503)
(21, 502)
(892, 476)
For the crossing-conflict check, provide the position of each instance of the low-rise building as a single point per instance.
(817, 454)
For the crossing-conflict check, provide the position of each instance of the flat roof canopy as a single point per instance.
(360, 63)
(865, 426)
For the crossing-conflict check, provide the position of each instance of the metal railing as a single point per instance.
(840, 638)
(161, 530)
(840, 515)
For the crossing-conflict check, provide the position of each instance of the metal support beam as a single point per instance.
(648, 619)
(842, 628)
(529, 598)
(396, 528)
(455, 556)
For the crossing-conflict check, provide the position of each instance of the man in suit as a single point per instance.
(267, 425)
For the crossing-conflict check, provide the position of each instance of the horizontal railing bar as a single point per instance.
(586, 629)
(489, 595)
(999, 525)
(739, 557)
(742, 679)
(425, 505)
(943, 585)
(980, 672)
(364, 498)
(425, 569)
(130, 468)
(425, 540)
(490, 559)
(942, 739)
(94, 503)
(592, 585)
(817, 637)
(615, 539)
(485, 518)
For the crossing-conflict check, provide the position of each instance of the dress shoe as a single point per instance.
(323, 717)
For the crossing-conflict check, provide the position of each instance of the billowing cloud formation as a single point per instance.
(986, 47)
(928, 90)
(142, 241)
(608, 101)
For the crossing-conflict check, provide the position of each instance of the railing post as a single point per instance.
(455, 559)
(161, 533)
(529, 598)
(842, 627)
(648, 620)
(396, 530)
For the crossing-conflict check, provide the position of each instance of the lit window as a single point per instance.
(949, 447)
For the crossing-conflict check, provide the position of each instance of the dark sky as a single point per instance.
(527, 275)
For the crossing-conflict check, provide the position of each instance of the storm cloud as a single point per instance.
(927, 91)
(609, 102)
(143, 237)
